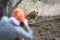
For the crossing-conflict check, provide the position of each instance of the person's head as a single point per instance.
(18, 14)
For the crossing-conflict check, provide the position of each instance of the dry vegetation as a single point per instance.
(44, 7)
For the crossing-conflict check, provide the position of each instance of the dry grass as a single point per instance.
(44, 9)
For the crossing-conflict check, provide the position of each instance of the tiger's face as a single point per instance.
(32, 15)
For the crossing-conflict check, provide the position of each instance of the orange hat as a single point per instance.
(18, 14)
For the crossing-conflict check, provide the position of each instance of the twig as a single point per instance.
(17, 3)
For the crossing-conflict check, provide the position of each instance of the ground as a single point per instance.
(47, 30)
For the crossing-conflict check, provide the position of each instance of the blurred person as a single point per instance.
(17, 19)
(10, 28)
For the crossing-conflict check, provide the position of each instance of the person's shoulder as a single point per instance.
(4, 19)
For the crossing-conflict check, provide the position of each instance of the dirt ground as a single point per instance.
(47, 30)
